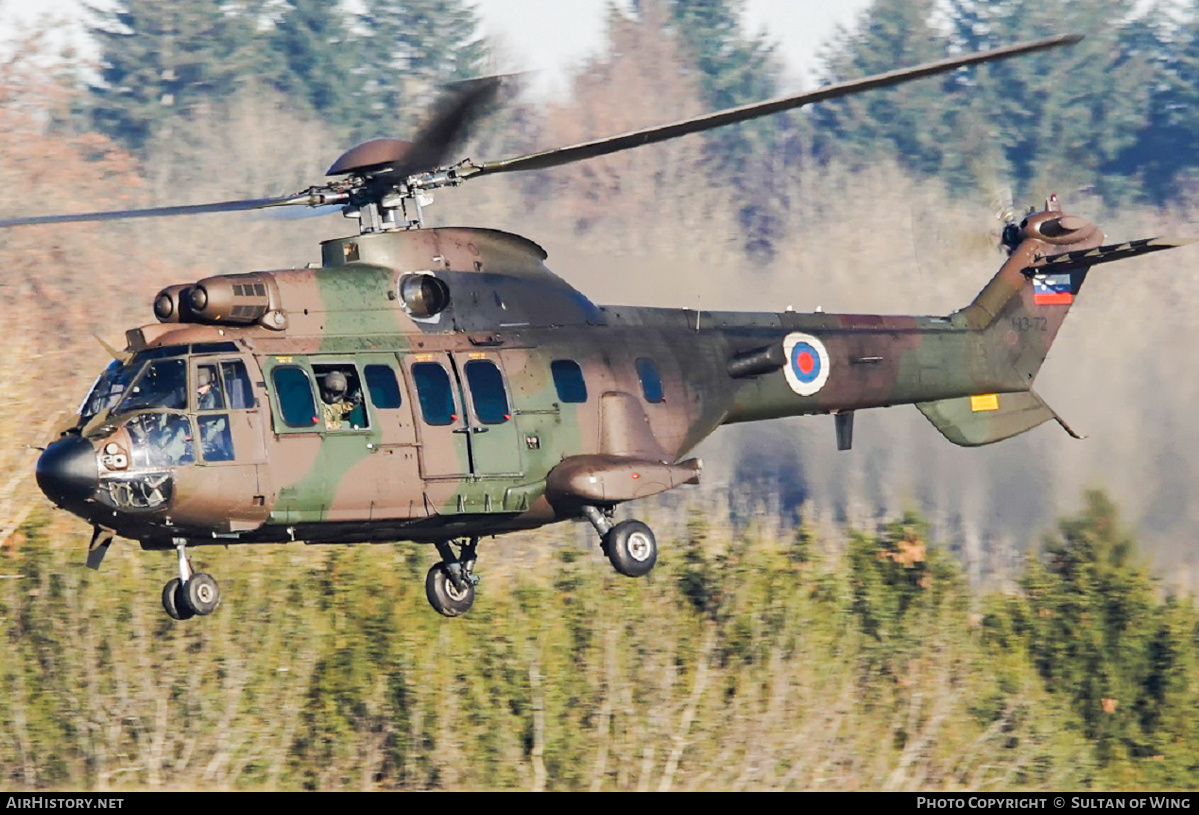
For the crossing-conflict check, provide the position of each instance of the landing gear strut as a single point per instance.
(450, 584)
(189, 594)
(630, 545)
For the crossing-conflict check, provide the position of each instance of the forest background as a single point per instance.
(907, 615)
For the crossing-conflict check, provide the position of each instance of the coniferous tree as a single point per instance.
(735, 68)
(1062, 118)
(905, 121)
(1057, 120)
(159, 60)
(417, 46)
(1096, 634)
(320, 62)
(1166, 153)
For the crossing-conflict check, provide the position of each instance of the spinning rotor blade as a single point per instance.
(453, 113)
(652, 135)
(160, 212)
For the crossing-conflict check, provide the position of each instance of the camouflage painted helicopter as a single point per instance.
(440, 385)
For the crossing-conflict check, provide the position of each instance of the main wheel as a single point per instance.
(444, 596)
(631, 548)
(174, 602)
(202, 594)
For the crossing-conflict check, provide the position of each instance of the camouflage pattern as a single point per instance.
(513, 447)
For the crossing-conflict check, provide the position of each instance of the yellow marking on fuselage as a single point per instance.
(984, 401)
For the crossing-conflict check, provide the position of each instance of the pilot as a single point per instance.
(208, 397)
(337, 403)
(174, 441)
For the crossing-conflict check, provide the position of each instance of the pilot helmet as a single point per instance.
(335, 385)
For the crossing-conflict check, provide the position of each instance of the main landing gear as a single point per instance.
(189, 594)
(630, 545)
(450, 584)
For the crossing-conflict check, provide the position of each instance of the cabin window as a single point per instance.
(383, 387)
(162, 384)
(341, 397)
(237, 385)
(434, 392)
(216, 442)
(487, 391)
(651, 383)
(293, 389)
(568, 379)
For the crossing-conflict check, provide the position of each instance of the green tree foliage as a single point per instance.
(159, 60)
(1101, 638)
(1166, 151)
(358, 72)
(735, 67)
(319, 61)
(1063, 119)
(415, 46)
(736, 665)
(902, 121)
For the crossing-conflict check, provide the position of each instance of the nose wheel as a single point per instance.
(450, 584)
(190, 593)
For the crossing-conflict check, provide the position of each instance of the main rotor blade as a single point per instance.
(652, 135)
(455, 112)
(162, 212)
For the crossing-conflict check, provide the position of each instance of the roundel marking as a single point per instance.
(807, 363)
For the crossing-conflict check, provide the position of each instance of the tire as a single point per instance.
(631, 548)
(445, 598)
(174, 602)
(202, 594)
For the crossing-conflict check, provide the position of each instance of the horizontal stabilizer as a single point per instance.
(971, 421)
(1085, 258)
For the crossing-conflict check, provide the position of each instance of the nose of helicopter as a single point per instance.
(67, 472)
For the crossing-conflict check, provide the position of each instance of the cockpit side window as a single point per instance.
(216, 442)
(237, 385)
(161, 440)
(163, 384)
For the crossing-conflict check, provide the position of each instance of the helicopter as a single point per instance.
(442, 385)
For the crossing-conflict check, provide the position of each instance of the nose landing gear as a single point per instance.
(189, 594)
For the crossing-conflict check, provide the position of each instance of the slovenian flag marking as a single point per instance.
(1053, 289)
